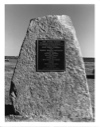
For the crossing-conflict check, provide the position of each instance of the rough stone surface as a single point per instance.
(61, 96)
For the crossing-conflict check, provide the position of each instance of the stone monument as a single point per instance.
(49, 81)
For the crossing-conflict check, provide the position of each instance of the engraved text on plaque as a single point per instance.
(50, 55)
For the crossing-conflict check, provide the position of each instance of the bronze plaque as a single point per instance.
(50, 55)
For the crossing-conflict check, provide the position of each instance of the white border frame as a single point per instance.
(97, 56)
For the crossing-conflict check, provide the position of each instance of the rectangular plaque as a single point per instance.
(50, 55)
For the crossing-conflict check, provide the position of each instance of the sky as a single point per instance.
(17, 18)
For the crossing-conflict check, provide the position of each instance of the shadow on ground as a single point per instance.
(90, 76)
(9, 110)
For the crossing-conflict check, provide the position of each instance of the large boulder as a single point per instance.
(62, 95)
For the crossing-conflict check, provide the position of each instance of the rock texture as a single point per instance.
(61, 96)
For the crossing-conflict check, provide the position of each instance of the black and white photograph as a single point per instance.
(49, 63)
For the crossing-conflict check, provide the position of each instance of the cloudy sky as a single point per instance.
(17, 19)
